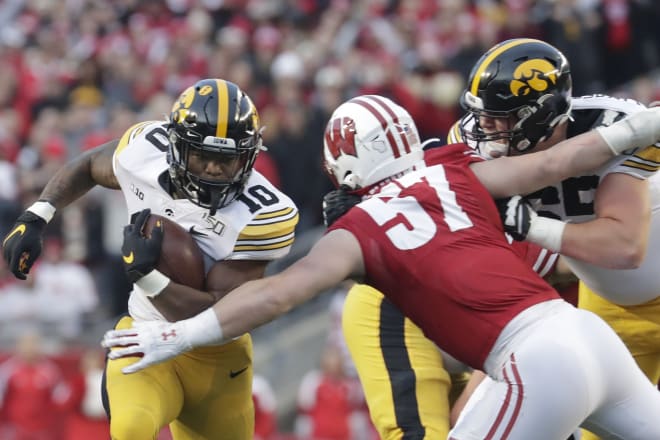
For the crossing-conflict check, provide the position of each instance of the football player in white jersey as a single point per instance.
(196, 168)
(606, 224)
(429, 237)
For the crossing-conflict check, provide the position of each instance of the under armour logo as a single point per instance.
(169, 212)
(166, 336)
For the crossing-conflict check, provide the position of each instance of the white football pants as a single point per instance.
(554, 368)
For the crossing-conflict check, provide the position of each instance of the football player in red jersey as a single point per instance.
(409, 384)
(429, 237)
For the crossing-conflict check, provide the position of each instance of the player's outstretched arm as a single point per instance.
(22, 245)
(336, 257)
(511, 175)
(177, 301)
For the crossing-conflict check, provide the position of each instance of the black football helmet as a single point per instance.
(524, 80)
(213, 120)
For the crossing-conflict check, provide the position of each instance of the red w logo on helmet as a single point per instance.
(340, 137)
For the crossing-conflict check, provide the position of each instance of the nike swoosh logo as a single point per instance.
(20, 229)
(128, 259)
(193, 231)
(233, 374)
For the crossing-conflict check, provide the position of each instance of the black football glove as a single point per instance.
(22, 245)
(139, 253)
(337, 203)
(517, 215)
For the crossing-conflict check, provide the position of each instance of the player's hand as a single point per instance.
(157, 341)
(337, 203)
(22, 245)
(517, 216)
(139, 253)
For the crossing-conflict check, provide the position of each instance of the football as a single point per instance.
(180, 257)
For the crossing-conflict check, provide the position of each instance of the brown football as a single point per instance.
(180, 257)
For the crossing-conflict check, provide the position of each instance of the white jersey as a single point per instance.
(259, 225)
(572, 200)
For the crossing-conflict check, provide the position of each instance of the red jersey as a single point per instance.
(27, 401)
(329, 402)
(541, 260)
(432, 242)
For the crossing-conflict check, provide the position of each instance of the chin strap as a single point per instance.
(215, 202)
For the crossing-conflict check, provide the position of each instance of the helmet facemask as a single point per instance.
(188, 158)
(214, 138)
(528, 124)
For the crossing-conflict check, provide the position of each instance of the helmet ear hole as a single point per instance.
(191, 118)
(350, 180)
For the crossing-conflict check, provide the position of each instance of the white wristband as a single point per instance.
(203, 329)
(153, 283)
(43, 209)
(546, 232)
(638, 130)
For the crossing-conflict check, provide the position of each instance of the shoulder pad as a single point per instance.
(604, 102)
(454, 135)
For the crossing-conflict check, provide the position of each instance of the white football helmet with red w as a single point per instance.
(369, 138)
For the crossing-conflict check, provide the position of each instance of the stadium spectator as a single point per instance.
(64, 293)
(81, 400)
(57, 298)
(18, 313)
(265, 409)
(29, 384)
(330, 403)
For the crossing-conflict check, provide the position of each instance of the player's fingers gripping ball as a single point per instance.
(139, 252)
(22, 245)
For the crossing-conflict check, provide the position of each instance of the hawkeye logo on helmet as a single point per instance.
(205, 90)
(340, 137)
(533, 75)
(181, 106)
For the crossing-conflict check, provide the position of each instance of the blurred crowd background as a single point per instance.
(77, 73)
